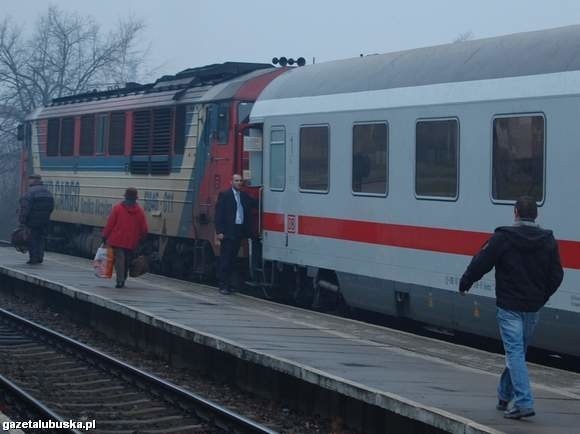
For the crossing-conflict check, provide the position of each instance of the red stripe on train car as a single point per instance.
(273, 222)
(410, 237)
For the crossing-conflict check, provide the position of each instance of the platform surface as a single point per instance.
(442, 384)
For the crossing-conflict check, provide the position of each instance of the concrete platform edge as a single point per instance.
(397, 404)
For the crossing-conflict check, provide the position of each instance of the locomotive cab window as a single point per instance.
(277, 158)
(518, 157)
(314, 159)
(436, 158)
(369, 159)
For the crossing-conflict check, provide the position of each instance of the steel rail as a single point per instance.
(206, 410)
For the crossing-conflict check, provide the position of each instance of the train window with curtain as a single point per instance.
(436, 158)
(314, 158)
(518, 157)
(369, 159)
(277, 158)
(67, 137)
(117, 134)
(52, 137)
(87, 145)
(102, 133)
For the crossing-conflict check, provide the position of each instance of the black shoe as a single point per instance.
(33, 262)
(120, 285)
(518, 413)
(501, 405)
(225, 291)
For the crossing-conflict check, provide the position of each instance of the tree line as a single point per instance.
(64, 54)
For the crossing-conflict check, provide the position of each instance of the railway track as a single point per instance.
(60, 379)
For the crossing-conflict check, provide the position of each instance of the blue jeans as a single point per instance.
(516, 330)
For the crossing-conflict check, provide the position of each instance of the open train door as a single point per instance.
(252, 173)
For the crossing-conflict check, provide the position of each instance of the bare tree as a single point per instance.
(464, 36)
(65, 54)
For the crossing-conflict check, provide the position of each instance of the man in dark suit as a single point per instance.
(232, 224)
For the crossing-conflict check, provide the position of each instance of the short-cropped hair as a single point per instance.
(131, 193)
(527, 208)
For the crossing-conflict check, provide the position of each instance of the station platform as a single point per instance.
(441, 384)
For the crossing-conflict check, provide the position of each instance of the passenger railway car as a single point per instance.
(177, 140)
(383, 174)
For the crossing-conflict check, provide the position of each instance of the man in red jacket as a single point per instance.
(125, 229)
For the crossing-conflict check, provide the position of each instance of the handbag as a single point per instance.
(103, 262)
(20, 238)
(139, 266)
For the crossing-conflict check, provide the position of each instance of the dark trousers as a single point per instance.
(228, 254)
(122, 261)
(36, 244)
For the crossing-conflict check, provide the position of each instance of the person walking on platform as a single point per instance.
(527, 273)
(232, 224)
(126, 228)
(35, 209)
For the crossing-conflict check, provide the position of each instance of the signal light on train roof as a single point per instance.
(283, 61)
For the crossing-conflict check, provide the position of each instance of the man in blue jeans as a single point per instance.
(527, 273)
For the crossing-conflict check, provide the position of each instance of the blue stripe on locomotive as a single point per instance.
(98, 163)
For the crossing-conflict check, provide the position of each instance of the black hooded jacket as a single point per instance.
(527, 267)
(36, 206)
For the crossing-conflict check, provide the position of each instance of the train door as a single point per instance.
(251, 136)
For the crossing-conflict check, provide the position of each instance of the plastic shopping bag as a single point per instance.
(103, 262)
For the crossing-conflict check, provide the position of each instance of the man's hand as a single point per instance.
(463, 286)
(219, 238)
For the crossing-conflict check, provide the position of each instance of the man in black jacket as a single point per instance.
(232, 224)
(35, 209)
(527, 273)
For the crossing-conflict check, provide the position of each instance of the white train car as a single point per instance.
(384, 174)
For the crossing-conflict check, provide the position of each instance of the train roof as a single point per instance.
(520, 54)
(207, 83)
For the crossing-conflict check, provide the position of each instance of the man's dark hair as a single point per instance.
(527, 208)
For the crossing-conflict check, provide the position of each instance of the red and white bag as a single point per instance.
(103, 262)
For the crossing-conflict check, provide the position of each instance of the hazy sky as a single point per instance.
(189, 33)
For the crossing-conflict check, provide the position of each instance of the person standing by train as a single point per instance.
(232, 224)
(126, 228)
(35, 209)
(527, 272)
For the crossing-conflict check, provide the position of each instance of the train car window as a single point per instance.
(244, 109)
(518, 157)
(436, 158)
(180, 130)
(102, 133)
(314, 156)
(87, 145)
(52, 137)
(67, 137)
(117, 134)
(277, 158)
(369, 159)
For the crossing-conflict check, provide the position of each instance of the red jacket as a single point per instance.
(126, 226)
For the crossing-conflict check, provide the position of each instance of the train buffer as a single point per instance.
(440, 384)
